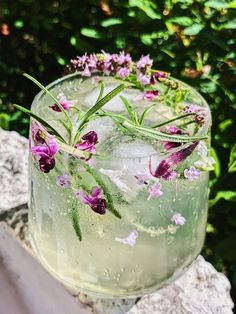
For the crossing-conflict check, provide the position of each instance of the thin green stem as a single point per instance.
(174, 119)
(54, 99)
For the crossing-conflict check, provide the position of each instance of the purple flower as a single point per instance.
(123, 72)
(182, 154)
(144, 79)
(160, 74)
(164, 170)
(192, 173)
(124, 58)
(130, 239)
(65, 103)
(143, 177)
(155, 190)
(144, 62)
(90, 139)
(64, 180)
(172, 130)
(37, 132)
(95, 200)
(200, 113)
(46, 152)
(150, 94)
(178, 219)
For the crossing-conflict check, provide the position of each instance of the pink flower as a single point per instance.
(155, 190)
(46, 152)
(182, 154)
(200, 113)
(90, 139)
(130, 239)
(95, 200)
(123, 72)
(172, 130)
(192, 173)
(160, 74)
(144, 79)
(143, 177)
(164, 170)
(37, 132)
(178, 219)
(144, 62)
(124, 58)
(65, 103)
(150, 95)
(64, 180)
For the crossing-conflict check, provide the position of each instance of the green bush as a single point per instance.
(195, 40)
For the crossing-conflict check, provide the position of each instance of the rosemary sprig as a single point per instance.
(41, 121)
(74, 214)
(174, 119)
(70, 128)
(146, 131)
(98, 105)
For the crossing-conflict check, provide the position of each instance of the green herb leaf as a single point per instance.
(232, 159)
(41, 121)
(101, 92)
(74, 214)
(100, 104)
(130, 109)
(162, 136)
(145, 112)
(54, 99)
(174, 119)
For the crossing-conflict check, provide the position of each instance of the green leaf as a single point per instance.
(100, 104)
(193, 30)
(223, 126)
(161, 136)
(41, 121)
(89, 32)
(4, 120)
(145, 112)
(217, 162)
(49, 94)
(232, 160)
(174, 119)
(228, 25)
(181, 20)
(101, 92)
(147, 6)
(74, 214)
(111, 22)
(220, 4)
(229, 196)
(130, 109)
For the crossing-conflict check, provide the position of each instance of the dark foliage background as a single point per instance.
(195, 40)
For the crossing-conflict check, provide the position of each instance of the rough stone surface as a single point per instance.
(14, 170)
(201, 290)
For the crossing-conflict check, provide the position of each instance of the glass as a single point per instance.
(163, 222)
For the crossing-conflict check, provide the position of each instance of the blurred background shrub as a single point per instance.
(195, 40)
